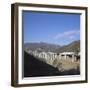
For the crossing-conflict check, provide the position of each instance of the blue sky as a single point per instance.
(54, 28)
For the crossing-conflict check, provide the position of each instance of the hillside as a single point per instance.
(41, 46)
(33, 67)
(72, 47)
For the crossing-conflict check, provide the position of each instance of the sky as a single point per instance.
(53, 28)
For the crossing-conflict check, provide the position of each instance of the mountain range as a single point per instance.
(42, 46)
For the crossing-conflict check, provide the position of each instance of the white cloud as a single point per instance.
(68, 34)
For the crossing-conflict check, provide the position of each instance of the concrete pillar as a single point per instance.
(54, 56)
(59, 56)
(45, 56)
(72, 57)
(75, 59)
(51, 57)
(65, 56)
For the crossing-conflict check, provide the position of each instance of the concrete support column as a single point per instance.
(65, 56)
(52, 56)
(46, 56)
(73, 58)
(59, 56)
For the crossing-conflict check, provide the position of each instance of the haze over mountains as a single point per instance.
(41, 46)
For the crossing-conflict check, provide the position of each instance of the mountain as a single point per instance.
(41, 47)
(72, 47)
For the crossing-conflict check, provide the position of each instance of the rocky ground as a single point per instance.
(34, 67)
